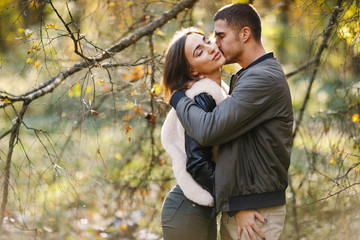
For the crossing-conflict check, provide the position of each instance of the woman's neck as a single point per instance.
(215, 76)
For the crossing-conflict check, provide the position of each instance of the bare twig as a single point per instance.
(75, 39)
(335, 193)
(136, 63)
(301, 68)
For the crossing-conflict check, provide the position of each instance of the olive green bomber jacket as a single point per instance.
(254, 130)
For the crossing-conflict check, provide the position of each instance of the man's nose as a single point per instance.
(218, 43)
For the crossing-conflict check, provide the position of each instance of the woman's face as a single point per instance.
(203, 55)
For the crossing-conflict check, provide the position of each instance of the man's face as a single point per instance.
(228, 41)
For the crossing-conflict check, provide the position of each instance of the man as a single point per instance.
(253, 128)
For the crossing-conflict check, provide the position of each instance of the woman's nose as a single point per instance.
(211, 48)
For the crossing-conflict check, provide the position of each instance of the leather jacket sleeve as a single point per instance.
(199, 158)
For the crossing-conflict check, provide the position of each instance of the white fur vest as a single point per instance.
(172, 140)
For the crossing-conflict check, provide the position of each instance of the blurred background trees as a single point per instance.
(81, 112)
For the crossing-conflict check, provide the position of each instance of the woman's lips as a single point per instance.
(216, 56)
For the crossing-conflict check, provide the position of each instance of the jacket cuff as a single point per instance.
(232, 213)
(175, 98)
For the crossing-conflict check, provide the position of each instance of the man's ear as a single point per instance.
(245, 34)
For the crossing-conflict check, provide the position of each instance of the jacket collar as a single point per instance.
(259, 60)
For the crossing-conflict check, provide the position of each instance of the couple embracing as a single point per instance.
(230, 146)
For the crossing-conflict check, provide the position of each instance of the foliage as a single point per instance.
(87, 162)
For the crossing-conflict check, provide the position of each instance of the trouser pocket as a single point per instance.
(171, 205)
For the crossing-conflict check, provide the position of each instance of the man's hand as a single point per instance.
(245, 220)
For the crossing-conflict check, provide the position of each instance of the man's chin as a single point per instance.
(228, 61)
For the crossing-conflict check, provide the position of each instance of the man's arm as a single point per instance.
(245, 109)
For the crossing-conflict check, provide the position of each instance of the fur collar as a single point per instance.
(172, 140)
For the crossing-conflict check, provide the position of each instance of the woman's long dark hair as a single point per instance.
(177, 72)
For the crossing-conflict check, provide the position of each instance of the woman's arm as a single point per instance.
(199, 162)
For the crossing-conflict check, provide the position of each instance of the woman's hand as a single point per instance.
(245, 220)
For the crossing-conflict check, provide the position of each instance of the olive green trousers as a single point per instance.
(182, 219)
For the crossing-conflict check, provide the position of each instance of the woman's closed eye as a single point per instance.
(207, 41)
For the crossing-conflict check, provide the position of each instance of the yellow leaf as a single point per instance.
(355, 117)
(51, 26)
(127, 128)
(315, 148)
(21, 30)
(118, 156)
(28, 33)
(137, 110)
(126, 117)
(331, 161)
(130, 3)
(112, 4)
(77, 91)
(123, 227)
(160, 33)
(36, 63)
(137, 73)
(126, 77)
(357, 169)
(156, 89)
(35, 47)
(162, 162)
(88, 89)
(29, 51)
(78, 84)
(29, 60)
(130, 105)
(6, 100)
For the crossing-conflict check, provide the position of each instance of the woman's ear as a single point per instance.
(194, 73)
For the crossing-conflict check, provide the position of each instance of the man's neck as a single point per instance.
(251, 53)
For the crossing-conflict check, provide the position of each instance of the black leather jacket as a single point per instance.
(199, 158)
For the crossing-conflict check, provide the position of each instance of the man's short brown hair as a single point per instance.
(241, 15)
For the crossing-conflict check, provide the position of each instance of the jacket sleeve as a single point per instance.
(247, 107)
(199, 162)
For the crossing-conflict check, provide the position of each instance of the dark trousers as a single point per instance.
(182, 219)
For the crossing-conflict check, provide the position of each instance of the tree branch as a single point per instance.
(301, 67)
(334, 194)
(332, 23)
(54, 82)
(13, 136)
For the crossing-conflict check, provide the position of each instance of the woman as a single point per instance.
(188, 213)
